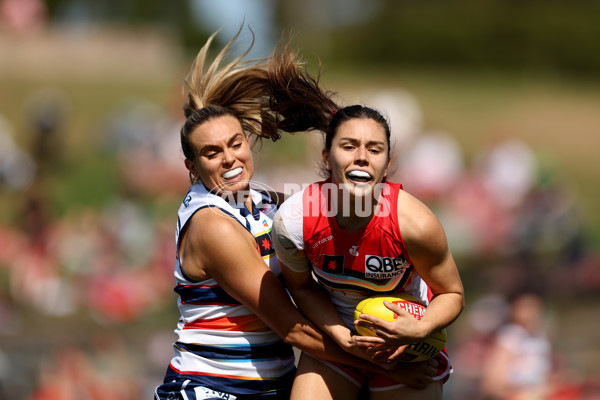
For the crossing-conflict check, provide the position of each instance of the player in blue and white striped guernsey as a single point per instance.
(222, 343)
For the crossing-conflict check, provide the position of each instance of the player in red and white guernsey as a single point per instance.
(358, 236)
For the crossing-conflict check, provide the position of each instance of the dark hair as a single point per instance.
(301, 105)
(355, 112)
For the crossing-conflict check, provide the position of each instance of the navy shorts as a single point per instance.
(186, 389)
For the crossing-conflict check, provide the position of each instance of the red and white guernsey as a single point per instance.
(351, 265)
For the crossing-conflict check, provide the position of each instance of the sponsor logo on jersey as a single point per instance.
(321, 241)
(333, 264)
(384, 267)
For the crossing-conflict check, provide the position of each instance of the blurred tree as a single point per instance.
(535, 34)
(554, 35)
(174, 15)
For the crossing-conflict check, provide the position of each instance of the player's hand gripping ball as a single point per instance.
(414, 352)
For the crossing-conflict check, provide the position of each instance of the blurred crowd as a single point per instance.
(111, 266)
(103, 267)
(509, 206)
(509, 352)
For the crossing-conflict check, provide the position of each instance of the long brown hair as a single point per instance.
(302, 105)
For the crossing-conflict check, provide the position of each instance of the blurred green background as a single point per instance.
(91, 174)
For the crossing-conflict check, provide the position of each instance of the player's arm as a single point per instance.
(314, 303)
(428, 250)
(427, 247)
(310, 299)
(228, 253)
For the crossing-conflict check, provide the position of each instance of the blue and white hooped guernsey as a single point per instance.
(222, 345)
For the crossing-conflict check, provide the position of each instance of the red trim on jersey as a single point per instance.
(244, 323)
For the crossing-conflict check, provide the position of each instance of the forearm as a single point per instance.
(441, 312)
(307, 337)
(314, 303)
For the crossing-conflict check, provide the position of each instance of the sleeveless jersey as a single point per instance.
(221, 343)
(352, 265)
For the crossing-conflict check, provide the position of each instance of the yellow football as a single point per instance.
(419, 351)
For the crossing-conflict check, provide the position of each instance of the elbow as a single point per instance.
(461, 304)
(464, 303)
(296, 336)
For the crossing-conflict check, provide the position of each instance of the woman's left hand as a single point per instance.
(403, 330)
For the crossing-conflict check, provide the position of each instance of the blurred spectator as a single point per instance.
(46, 111)
(146, 143)
(474, 221)
(4, 374)
(404, 114)
(549, 224)
(424, 178)
(17, 168)
(22, 17)
(36, 219)
(66, 374)
(519, 364)
(484, 316)
(69, 372)
(508, 170)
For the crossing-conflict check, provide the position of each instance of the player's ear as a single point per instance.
(325, 158)
(386, 168)
(191, 167)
